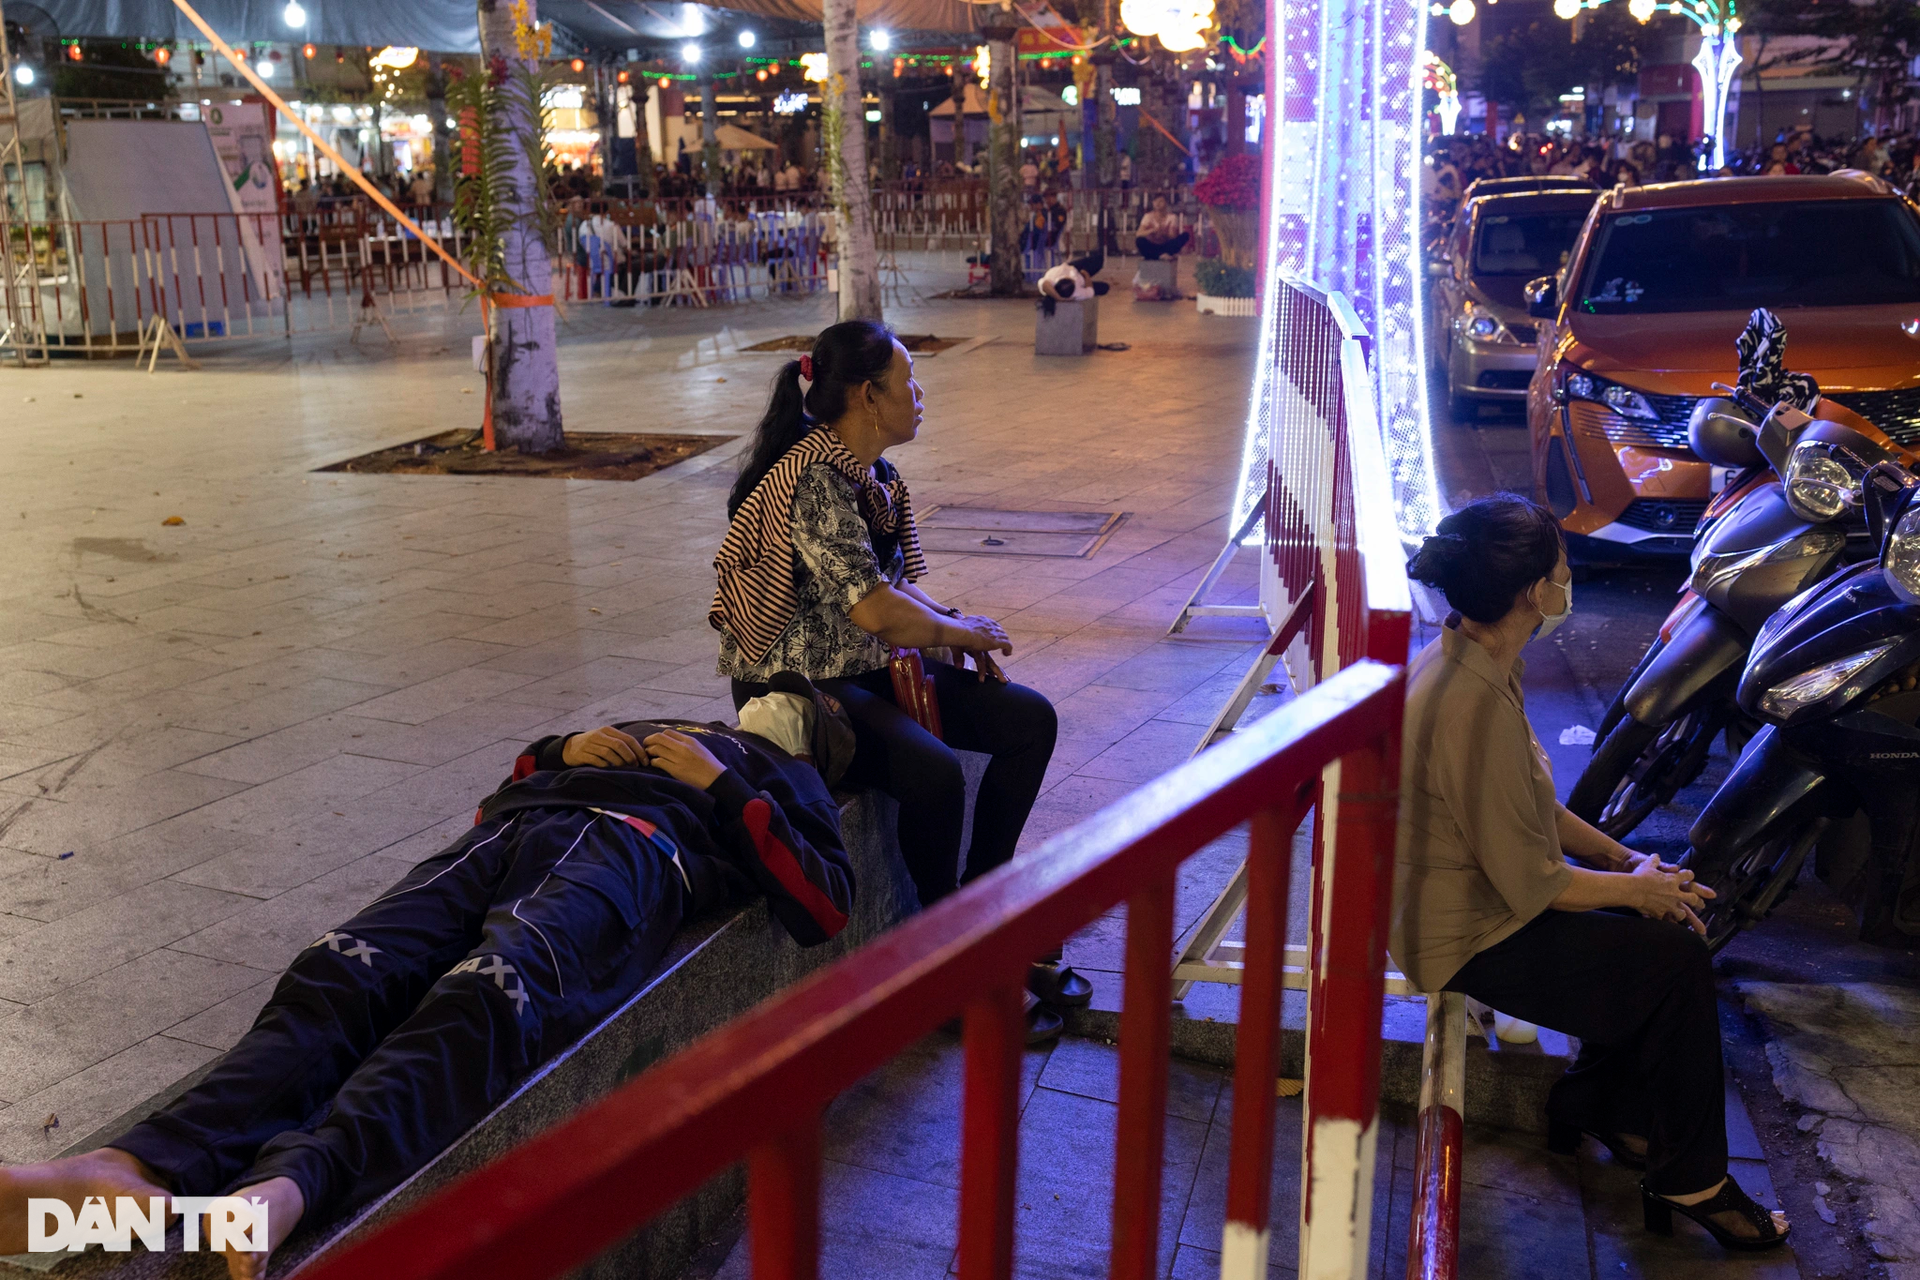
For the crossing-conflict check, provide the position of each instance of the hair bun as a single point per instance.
(1436, 560)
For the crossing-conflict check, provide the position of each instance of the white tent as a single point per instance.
(733, 138)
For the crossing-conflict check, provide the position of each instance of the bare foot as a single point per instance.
(107, 1172)
(285, 1204)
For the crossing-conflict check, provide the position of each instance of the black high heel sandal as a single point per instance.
(1658, 1212)
(1563, 1139)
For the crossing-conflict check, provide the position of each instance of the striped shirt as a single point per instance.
(757, 597)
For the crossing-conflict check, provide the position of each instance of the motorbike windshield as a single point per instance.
(1524, 244)
(1800, 253)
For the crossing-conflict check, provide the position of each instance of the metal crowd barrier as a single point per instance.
(757, 1088)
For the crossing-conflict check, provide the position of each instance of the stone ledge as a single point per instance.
(716, 968)
(1506, 1084)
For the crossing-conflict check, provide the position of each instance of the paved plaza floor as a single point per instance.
(218, 739)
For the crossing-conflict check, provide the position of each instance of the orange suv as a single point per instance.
(1641, 322)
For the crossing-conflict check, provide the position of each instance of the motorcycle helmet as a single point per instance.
(1722, 435)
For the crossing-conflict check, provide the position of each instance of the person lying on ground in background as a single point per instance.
(395, 1033)
(817, 576)
(1159, 234)
(1486, 903)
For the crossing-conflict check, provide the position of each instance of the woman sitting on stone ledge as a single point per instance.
(397, 1032)
(817, 576)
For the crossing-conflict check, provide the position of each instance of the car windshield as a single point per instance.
(1803, 253)
(1524, 244)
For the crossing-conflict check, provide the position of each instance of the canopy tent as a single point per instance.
(733, 138)
(452, 26)
(1034, 101)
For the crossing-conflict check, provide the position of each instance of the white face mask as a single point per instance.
(1548, 621)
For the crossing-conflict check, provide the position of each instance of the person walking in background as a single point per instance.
(817, 576)
(1486, 903)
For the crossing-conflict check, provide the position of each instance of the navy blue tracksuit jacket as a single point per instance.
(390, 1036)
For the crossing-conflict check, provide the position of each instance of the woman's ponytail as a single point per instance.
(844, 356)
(781, 428)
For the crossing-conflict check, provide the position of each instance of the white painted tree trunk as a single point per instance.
(859, 263)
(1007, 273)
(526, 368)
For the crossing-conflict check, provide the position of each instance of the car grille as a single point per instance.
(1895, 412)
(1668, 432)
(1664, 515)
(1504, 379)
(1524, 334)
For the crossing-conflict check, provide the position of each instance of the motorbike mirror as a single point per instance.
(1886, 491)
(1543, 297)
(1775, 440)
(1723, 435)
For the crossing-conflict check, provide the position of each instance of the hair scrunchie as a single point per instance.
(806, 367)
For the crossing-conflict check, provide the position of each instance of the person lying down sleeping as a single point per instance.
(390, 1036)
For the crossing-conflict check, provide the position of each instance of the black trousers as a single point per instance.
(1010, 722)
(1639, 994)
(395, 1033)
(1152, 250)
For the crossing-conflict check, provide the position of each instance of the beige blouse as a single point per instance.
(1479, 842)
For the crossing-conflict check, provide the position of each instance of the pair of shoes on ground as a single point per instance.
(1052, 986)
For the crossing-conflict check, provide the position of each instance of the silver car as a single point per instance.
(1482, 339)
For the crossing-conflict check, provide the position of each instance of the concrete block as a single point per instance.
(1072, 330)
(1159, 278)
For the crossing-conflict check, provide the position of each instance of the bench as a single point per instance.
(716, 968)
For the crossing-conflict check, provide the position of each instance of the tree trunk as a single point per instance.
(853, 202)
(526, 369)
(437, 116)
(709, 135)
(640, 92)
(889, 144)
(1003, 163)
(1236, 140)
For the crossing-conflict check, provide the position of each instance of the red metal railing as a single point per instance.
(757, 1088)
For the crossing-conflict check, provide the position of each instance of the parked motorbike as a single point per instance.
(1835, 771)
(1781, 524)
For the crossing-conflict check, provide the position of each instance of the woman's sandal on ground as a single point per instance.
(1659, 1213)
(1057, 984)
(1563, 1139)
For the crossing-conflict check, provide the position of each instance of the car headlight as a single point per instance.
(1809, 688)
(1822, 480)
(1483, 324)
(1901, 561)
(1710, 572)
(1624, 401)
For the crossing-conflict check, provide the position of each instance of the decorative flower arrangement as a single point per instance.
(1234, 183)
(1219, 279)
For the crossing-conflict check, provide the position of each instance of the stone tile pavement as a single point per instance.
(890, 1192)
(219, 739)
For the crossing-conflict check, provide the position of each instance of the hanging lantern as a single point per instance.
(74, 54)
(761, 74)
(814, 66)
(665, 81)
(899, 65)
(578, 65)
(308, 51)
(162, 56)
(621, 78)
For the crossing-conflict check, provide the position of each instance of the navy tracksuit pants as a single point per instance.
(392, 1035)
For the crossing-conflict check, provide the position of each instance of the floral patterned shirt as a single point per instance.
(835, 566)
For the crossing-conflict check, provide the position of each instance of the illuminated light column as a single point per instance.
(1719, 55)
(1719, 23)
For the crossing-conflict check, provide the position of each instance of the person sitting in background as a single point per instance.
(1486, 903)
(1159, 234)
(400, 1030)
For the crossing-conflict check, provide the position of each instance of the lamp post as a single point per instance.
(1719, 23)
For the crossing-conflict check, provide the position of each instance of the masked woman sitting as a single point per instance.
(1486, 903)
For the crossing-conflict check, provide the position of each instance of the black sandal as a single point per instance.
(1659, 1211)
(1056, 983)
(1563, 1139)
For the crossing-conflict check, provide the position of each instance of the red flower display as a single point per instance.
(1234, 183)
